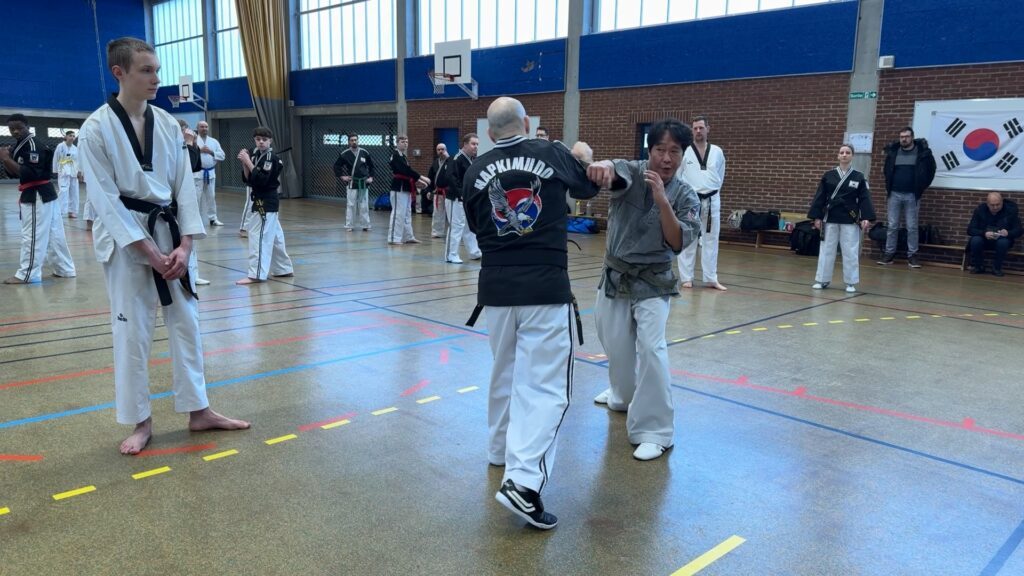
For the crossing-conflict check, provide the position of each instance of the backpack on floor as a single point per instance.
(582, 225)
(805, 239)
(383, 202)
(753, 221)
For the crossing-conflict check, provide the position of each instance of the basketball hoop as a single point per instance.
(175, 101)
(440, 80)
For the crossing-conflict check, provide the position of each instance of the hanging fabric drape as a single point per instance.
(261, 25)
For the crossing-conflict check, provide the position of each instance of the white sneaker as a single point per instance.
(202, 282)
(851, 288)
(602, 398)
(819, 285)
(476, 256)
(648, 451)
(455, 260)
(216, 222)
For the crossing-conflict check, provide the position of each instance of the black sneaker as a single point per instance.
(887, 259)
(912, 262)
(997, 272)
(977, 269)
(526, 504)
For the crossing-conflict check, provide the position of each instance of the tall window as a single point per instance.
(230, 61)
(337, 32)
(489, 23)
(619, 14)
(178, 38)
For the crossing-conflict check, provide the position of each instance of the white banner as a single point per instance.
(977, 144)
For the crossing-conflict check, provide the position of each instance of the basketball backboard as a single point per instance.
(453, 64)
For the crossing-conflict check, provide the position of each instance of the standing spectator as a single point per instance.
(355, 168)
(210, 154)
(65, 166)
(841, 209)
(909, 170)
(438, 190)
(704, 170)
(994, 225)
(458, 232)
(541, 133)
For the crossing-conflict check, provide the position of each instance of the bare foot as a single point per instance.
(14, 280)
(139, 438)
(687, 284)
(718, 286)
(244, 281)
(207, 419)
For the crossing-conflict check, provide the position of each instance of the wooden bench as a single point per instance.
(793, 217)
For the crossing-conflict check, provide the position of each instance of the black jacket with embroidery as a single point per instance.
(403, 176)
(348, 164)
(438, 176)
(34, 162)
(850, 205)
(458, 165)
(264, 180)
(515, 204)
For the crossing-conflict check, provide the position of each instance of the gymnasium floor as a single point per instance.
(818, 433)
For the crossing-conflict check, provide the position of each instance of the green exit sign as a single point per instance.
(863, 95)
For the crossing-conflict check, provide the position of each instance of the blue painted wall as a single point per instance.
(809, 40)
(951, 32)
(229, 94)
(50, 58)
(522, 69)
(353, 84)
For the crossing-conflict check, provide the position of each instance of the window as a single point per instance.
(364, 140)
(230, 60)
(178, 39)
(338, 32)
(620, 14)
(478, 20)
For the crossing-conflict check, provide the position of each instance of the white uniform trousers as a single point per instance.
(440, 218)
(133, 304)
(58, 256)
(458, 232)
(632, 333)
(246, 211)
(36, 224)
(531, 383)
(197, 179)
(357, 206)
(708, 246)
(400, 224)
(267, 254)
(88, 212)
(847, 237)
(68, 194)
(206, 190)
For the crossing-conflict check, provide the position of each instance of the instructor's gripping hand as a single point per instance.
(653, 180)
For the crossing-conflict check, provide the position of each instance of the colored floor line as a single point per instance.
(993, 474)
(210, 353)
(1005, 551)
(231, 381)
(706, 559)
(967, 424)
(20, 457)
(177, 450)
(416, 388)
(322, 423)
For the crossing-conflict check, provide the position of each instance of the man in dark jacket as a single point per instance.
(994, 225)
(909, 169)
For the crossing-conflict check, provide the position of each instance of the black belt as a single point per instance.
(575, 310)
(707, 197)
(168, 214)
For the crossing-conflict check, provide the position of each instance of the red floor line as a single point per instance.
(20, 457)
(220, 351)
(314, 425)
(444, 356)
(178, 450)
(967, 424)
(414, 389)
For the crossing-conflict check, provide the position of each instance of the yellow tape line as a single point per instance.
(428, 399)
(4, 511)
(468, 389)
(912, 317)
(152, 472)
(784, 326)
(991, 314)
(862, 319)
(837, 321)
(887, 318)
(223, 454)
(75, 492)
(810, 323)
(707, 558)
(280, 439)
(734, 332)
(758, 329)
(708, 336)
(678, 340)
(334, 424)
(383, 411)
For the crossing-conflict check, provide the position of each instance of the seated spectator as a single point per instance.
(994, 225)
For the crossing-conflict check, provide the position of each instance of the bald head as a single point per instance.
(995, 202)
(506, 117)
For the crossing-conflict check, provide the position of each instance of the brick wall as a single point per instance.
(427, 115)
(779, 134)
(949, 210)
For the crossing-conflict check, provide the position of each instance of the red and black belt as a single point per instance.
(404, 178)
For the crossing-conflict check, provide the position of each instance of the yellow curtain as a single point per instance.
(262, 28)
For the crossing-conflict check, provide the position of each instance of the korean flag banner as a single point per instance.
(979, 149)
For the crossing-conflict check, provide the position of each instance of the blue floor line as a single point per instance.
(230, 381)
(1004, 553)
(1018, 481)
